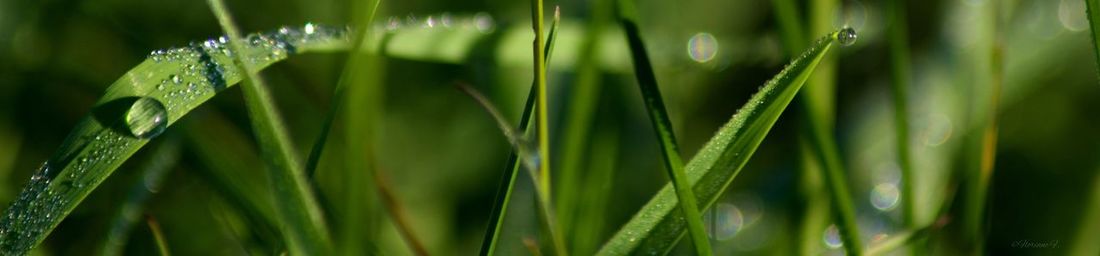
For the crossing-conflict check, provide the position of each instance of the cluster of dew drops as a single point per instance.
(206, 67)
(203, 68)
(482, 22)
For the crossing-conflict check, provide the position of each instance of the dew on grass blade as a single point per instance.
(846, 36)
(146, 118)
(832, 237)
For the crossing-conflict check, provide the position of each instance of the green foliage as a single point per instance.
(657, 227)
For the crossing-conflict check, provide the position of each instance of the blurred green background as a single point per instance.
(443, 156)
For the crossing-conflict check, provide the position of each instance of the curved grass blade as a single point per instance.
(662, 124)
(180, 79)
(303, 224)
(657, 227)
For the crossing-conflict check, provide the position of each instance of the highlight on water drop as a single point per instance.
(146, 118)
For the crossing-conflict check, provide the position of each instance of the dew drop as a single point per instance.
(847, 36)
(146, 118)
(310, 28)
(832, 237)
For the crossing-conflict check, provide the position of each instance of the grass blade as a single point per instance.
(899, 55)
(514, 163)
(657, 226)
(647, 83)
(1094, 23)
(507, 182)
(302, 223)
(180, 79)
(584, 96)
(158, 235)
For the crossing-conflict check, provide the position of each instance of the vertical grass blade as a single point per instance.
(836, 181)
(657, 227)
(338, 93)
(514, 162)
(584, 96)
(899, 56)
(592, 207)
(984, 135)
(651, 95)
(898, 39)
(360, 216)
(1094, 25)
(543, 124)
(302, 223)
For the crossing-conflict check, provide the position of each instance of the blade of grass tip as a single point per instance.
(1094, 24)
(662, 125)
(584, 96)
(154, 227)
(835, 176)
(303, 225)
(657, 227)
(542, 121)
(508, 180)
(165, 156)
(899, 54)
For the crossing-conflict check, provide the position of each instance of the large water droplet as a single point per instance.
(146, 118)
(847, 36)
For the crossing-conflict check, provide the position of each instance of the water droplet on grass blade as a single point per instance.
(846, 36)
(832, 237)
(146, 118)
